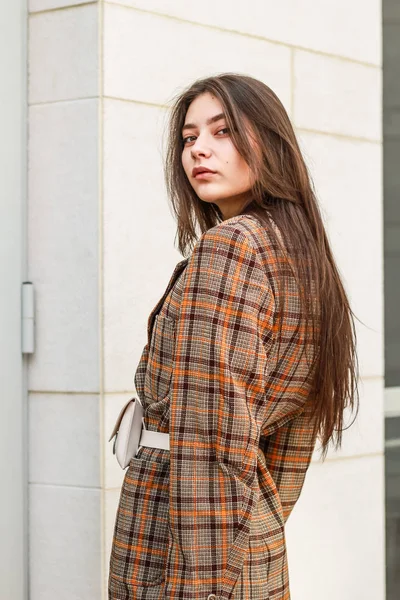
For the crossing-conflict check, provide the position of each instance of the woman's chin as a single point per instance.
(209, 195)
(209, 198)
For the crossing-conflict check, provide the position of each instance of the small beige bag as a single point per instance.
(127, 431)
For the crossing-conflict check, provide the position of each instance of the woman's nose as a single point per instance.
(200, 148)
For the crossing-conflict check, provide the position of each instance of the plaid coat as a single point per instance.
(206, 519)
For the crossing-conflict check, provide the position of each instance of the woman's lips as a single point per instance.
(204, 175)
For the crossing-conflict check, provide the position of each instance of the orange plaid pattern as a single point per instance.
(206, 519)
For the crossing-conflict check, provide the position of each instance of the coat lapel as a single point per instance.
(177, 271)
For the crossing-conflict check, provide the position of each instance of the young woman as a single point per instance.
(250, 358)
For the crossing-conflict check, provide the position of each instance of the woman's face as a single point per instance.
(207, 143)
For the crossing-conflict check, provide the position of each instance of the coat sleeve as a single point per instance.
(217, 387)
(288, 452)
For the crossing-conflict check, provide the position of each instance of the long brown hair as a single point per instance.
(283, 190)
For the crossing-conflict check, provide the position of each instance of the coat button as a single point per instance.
(211, 597)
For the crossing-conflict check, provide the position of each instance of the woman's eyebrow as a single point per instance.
(213, 119)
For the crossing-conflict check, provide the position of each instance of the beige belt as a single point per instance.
(154, 439)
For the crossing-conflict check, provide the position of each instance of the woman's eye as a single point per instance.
(185, 140)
